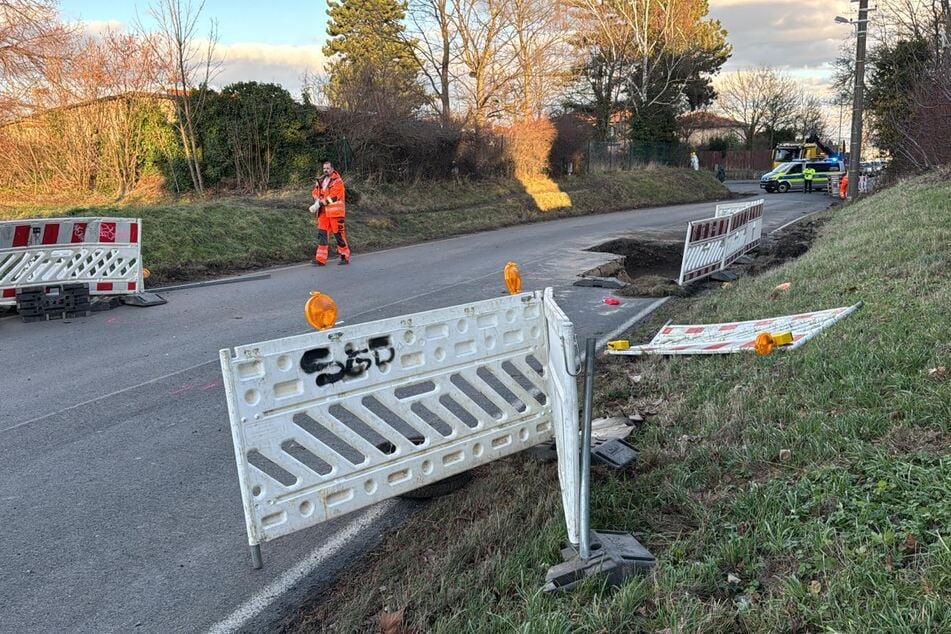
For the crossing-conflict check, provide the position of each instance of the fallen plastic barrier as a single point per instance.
(712, 244)
(103, 253)
(330, 422)
(739, 336)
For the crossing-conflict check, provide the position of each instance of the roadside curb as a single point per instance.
(800, 219)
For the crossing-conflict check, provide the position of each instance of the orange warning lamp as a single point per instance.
(513, 279)
(320, 311)
(766, 342)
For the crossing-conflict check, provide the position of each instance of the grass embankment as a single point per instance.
(800, 492)
(229, 233)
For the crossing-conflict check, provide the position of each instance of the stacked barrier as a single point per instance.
(103, 253)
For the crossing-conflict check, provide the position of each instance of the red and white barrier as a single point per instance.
(712, 244)
(104, 253)
(737, 336)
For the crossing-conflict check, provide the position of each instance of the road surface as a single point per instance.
(120, 507)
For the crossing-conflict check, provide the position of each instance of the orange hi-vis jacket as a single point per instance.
(331, 194)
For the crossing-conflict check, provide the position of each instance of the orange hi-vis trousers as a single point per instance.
(326, 226)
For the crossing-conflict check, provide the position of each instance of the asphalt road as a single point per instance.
(119, 504)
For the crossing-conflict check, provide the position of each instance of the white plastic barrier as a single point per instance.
(725, 209)
(104, 253)
(562, 364)
(712, 244)
(832, 188)
(737, 336)
(330, 422)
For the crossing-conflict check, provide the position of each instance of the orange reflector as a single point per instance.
(765, 341)
(513, 279)
(145, 273)
(320, 311)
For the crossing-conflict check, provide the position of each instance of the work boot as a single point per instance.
(318, 263)
(343, 261)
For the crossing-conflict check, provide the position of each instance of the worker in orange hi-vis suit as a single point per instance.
(330, 206)
(844, 186)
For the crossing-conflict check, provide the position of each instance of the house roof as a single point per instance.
(702, 119)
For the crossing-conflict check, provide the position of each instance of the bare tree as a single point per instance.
(539, 53)
(191, 63)
(485, 54)
(602, 41)
(31, 38)
(782, 103)
(434, 39)
(760, 98)
(87, 129)
(670, 42)
(131, 69)
(741, 97)
(810, 117)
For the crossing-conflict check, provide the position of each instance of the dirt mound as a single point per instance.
(653, 286)
(789, 244)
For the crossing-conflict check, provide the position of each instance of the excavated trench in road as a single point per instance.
(649, 267)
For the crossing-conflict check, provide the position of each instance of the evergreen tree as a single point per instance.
(372, 68)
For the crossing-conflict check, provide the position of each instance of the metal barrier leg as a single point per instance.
(256, 561)
(584, 550)
(614, 556)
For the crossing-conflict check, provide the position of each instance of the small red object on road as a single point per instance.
(610, 301)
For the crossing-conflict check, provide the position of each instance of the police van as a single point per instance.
(788, 176)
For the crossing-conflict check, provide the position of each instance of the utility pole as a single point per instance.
(858, 100)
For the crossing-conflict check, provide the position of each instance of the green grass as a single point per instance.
(183, 239)
(851, 532)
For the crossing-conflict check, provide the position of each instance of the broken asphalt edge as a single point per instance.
(602, 341)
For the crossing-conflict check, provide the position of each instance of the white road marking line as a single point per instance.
(261, 600)
(603, 340)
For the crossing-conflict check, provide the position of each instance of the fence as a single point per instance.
(609, 156)
(739, 164)
(331, 422)
(713, 244)
(104, 253)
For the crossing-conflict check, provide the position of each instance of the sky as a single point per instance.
(280, 40)
(276, 41)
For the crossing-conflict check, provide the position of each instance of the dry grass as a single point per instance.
(185, 239)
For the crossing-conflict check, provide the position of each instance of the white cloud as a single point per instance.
(799, 36)
(282, 64)
(304, 55)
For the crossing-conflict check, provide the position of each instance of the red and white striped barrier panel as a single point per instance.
(726, 209)
(105, 253)
(737, 336)
(712, 244)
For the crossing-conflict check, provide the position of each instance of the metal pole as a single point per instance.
(584, 550)
(857, 100)
(256, 561)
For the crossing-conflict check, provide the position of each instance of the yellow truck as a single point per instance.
(812, 149)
